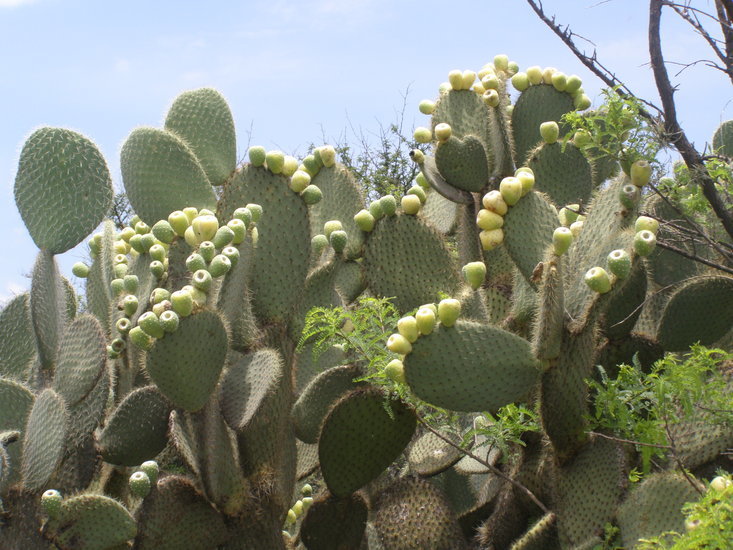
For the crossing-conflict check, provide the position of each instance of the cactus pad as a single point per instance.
(561, 172)
(44, 439)
(63, 188)
(92, 522)
(466, 114)
(48, 305)
(440, 213)
(203, 120)
(81, 360)
(723, 139)
(360, 438)
(471, 367)
(16, 401)
(318, 397)
(395, 249)
(463, 163)
(701, 310)
(137, 429)
(412, 513)
(162, 174)
(186, 364)
(430, 455)
(17, 341)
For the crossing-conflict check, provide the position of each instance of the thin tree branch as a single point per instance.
(487, 464)
(630, 441)
(673, 130)
(693, 257)
(673, 450)
(724, 9)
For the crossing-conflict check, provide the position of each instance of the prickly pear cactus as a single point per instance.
(178, 410)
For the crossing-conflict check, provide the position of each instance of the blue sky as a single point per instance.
(293, 72)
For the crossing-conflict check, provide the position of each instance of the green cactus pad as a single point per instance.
(87, 414)
(440, 213)
(342, 199)
(412, 513)
(430, 455)
(203, 120)
(700, 442)
(701, 310)
(176, 516)
(319, 291)
(654, 507)
(430, 171)
(528, 228)
(44, 439)
(723, 139)
(81, 360)
(186, 364)
(536, 105)
(359, 438)
(471, 367)
(246, 385)
(561, 172)
(624, 306)
(22, 518)
(466, 114)
(463, 163)
(48, 306)
(78, 467)
(282, 255)
(98, 292)
(137, 430)
(334, 523)
(63, 188)
(550, 318)
(407, 259)
(309, 364)
(92, 522)
(319, 396)
(588, 491)
(16, 401)
(349, 280)
(17, 339)
(307, 460)
(162, 174)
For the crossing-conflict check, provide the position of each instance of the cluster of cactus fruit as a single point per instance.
(187, 350)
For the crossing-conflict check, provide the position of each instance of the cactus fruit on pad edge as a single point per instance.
(188, 352)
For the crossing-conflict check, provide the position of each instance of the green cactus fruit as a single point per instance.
(123, 325)
(312, 195)
(239, 230)
(576, 228)
(494, 202)
(299, 181)
(257, 155)
(141, 339)
(232, 254)
(150, 324)
(442, 131)
(449, 310)
(407, 327)
(395, 371)
(419, 192)
(641, 172)
(157, 253)
(169, 320)
(410, 204)
(491, 98)
(511, 190)
(645, 242)
(164, 232)
(388, 205)
(191, 212)
(361, 436)
(80, 269)
(526, 176)
(364, 220)
(120, 270)
(63, 188)
(146, 241)
(520, 81)
(619, 263)
(426, 106)
(568, 214)
(136, 243)
(117, 286)
(51, 501)
(562, 238)
(488, 220)
(398, 344)
(426, 319)
(338, 239)
(256, 211)
(157, 269)
(131, 283)
(220, 265)
(151, 469)
(598, 280)
(550, 131)
(275, 161)
(186, 364)
(139, 484)
(491, 239)
(474, 273)
(195, 262)
(207, 250)
(319, 243)
(331, 226)
(162, 174)
(422, 135)
(645, 223)
(130, 303)
(223, 237)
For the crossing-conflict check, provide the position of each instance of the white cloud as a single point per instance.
(15, 3)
